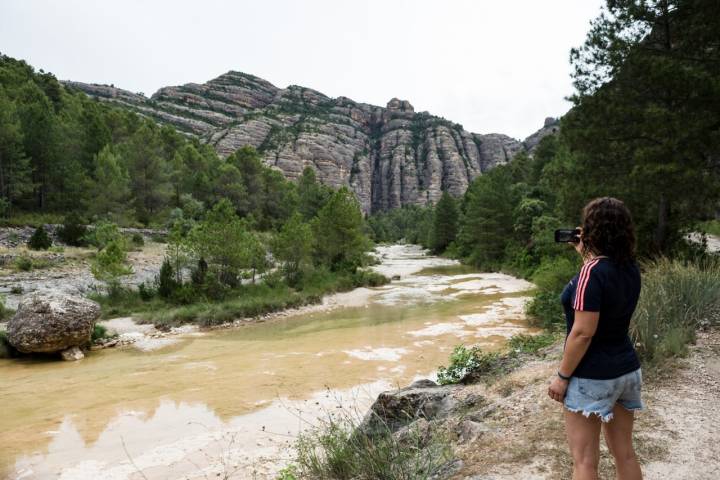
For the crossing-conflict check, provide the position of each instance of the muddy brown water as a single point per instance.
(122, 411)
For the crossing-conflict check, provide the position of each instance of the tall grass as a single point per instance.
(337, 449)
(676, 297)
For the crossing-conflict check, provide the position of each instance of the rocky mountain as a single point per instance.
(389, 156)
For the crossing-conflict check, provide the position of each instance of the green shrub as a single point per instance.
(551, 276)
(287, 473)
(464, 361)
(368, 278)
(109, 266)
(39, 240)
(675, 298)
(545, 310)
(184, 294)
(166, 280)
(16, 290)
(146, 292)
(137, 240)
(24, 263)
(337, 449)
(73, 231)
(101, 333)
(98, 332)
(159, 238)
(104, 234)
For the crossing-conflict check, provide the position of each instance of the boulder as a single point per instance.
(50, 321)
(72, 354)
(397, 408)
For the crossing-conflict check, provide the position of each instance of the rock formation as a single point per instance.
(48, 321)
(423, 399)
(550, 127)
(389, 156)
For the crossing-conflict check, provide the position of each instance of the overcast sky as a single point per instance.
(491, 65)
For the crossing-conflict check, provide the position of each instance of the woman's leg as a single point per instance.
(618, 436)
(583, 434)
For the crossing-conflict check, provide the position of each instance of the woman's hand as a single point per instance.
(557, 389)
(579, 245)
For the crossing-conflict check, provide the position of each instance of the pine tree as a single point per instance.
(111, 185)
(39, 240)
(37, 119)
(148, 170)
(293, 247)
(340, 241)
(445, 223)
(311, 194)
(14, 165)
(645, 122)
(487, 219)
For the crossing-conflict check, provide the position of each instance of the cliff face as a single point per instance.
(389, 156)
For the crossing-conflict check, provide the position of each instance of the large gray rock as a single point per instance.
(48, 321)
(389, 156)
(393, 410)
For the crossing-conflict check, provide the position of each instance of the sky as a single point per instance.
(490, 65)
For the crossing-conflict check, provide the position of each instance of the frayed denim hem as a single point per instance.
(632, 409)
(586, 414)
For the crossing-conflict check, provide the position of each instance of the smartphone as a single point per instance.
(566, 235)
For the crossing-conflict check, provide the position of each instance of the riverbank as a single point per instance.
(182, 403)
(394, 261)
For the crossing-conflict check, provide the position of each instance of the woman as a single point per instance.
(599, 376)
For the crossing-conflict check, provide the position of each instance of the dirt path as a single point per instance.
(687, 406)
(677, 437)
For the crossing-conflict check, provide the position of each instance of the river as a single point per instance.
(232, 401)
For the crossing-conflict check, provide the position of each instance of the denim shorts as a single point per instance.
(599, 397)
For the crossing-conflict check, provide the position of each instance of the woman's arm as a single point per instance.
(576, 346)
(578, 341)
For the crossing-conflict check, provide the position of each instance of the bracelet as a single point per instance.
(563, 376)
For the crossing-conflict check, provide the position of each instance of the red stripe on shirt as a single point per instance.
(582, 283)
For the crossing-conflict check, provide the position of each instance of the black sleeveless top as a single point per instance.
(613, 290)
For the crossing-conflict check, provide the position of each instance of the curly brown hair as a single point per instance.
(608, 229)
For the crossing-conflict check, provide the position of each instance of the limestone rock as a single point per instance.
(49, 321)
(551, 127)
(469, 430)
(72, 354)
(395, 409)
(389, 157)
